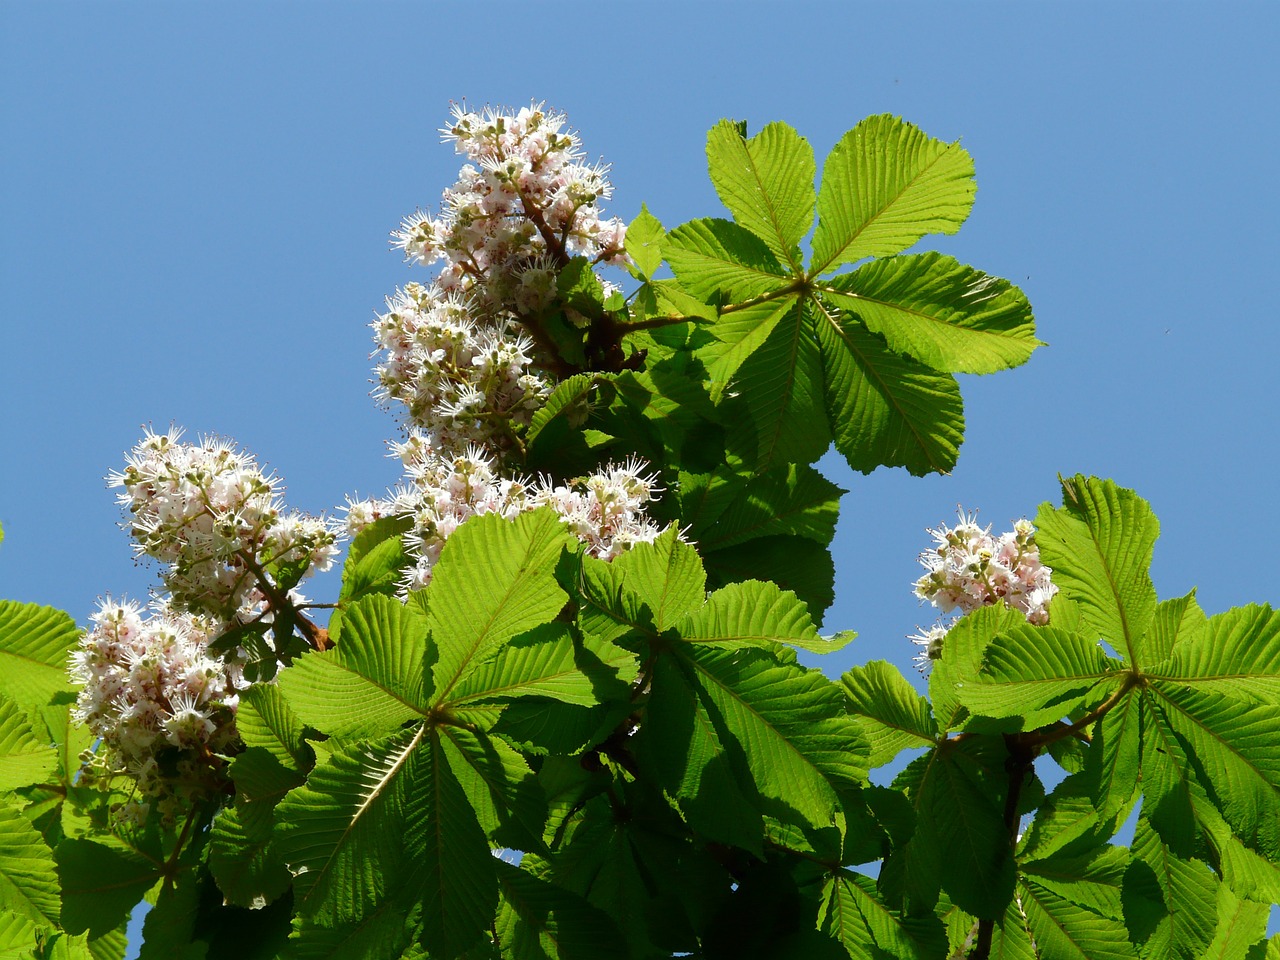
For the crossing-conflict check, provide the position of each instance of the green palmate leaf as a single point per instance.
(375, 559)
(776, 402)
(1237, 655)
(169, 931)
(503, 792)
(738, 335)
(789, 724)
(1176, 622)
(109, 946)
(853, 912)
(382, 933)
(17, 934)
(265, 720)
(644, 242)
(797, 564)
(766, 182)
(949, 316)
(69, 738)
(343, 834)
(891, 715)
(1114, 758)
(1010, 938)
(1039, 674)
(547, 662)
(712, 257)
(1099, 545)
(101, 884)
(28, 882)
(1241, 926)
(962, 656)
(1188, 820)
(34, 643)
(1070, 931)
(1092, 879)
(499, 577)
(701, 498)
(23, 759)
(653, 584)
(792, 499)
(960, 841)
(248, 871)
(686, 752)
(458, 886)
(1185, 911)
(886, 409)
(373, 681)
(754, 614)
(1230, 747)
(884, 186)
(568, 402)
(540, 921)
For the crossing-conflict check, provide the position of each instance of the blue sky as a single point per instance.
(197, 200)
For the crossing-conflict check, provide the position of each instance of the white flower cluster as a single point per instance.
(468, 382)
(517, 214)
(209, 513)
(605, 510)
(968, 568)
(162, 706)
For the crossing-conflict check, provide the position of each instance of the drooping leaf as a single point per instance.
(373, 681)
(775, 400)
(459, 885)
(767, 182)
(884, 186)
(1186, 912)
(101, 884)
(541, 921)
(891, 715)
(790, 500)
(712, 257)
(343, 834)
(797, 564)
(886, 409)
(34, 643)
(1099, 545)
(499, 577)
(1230, 747)
(503, 792)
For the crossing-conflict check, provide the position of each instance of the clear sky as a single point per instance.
(196, 202)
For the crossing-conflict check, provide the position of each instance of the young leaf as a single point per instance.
(375, 559)
(884, 186)
(644, 242)
(767, 183)
(34, 643)
(1099, 545)
(886, 409)
(950, 317)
